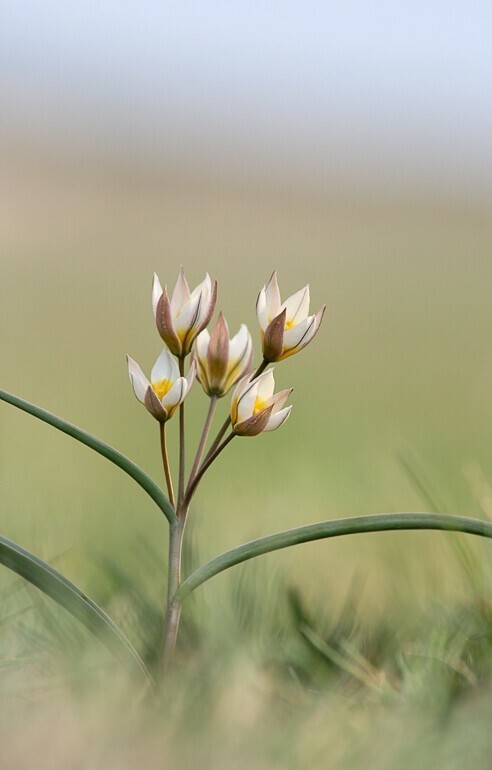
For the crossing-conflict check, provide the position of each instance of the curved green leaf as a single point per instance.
(103, 449)
(65, 593)
(380, 522)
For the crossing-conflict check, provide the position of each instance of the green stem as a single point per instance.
(111, 454)
(360, 524)
(173, 605)
(165, 463)
(203, 440)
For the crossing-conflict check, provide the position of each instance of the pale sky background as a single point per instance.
(397, 93)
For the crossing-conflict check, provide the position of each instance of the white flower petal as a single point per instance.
(181, 293)
(246, 401)
(277, 419)
(272, 296)
(301, 334)
(187, 317)
(176, 395)
(165, 368)
(297, 306)
(239, 345)
(138, 379)
(204, 291)
(261, 309)
(278, 400)
(190, 379)
(201, 346)
(240, 353)
(156, 292)
(266, 384)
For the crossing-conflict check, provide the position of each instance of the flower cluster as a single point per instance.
(219, 361)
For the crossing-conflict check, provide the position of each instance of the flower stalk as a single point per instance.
(165, 463)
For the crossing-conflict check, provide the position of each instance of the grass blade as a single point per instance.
(380, 522)
(66, 593)
(111, 454)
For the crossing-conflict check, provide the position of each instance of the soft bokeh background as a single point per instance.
(344, 145)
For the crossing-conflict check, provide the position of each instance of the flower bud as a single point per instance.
(180, 319)
(285, 328)
(222, 361)
(166, 389)
(255, 408)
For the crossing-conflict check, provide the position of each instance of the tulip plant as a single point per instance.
(222, 365)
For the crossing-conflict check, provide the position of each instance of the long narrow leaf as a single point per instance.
(380, 522)
(65, 593)
(103, 449)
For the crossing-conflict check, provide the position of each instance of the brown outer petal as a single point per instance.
(154, 406)
(253, 425)
(165, 326)
(218, 354)
(273, 339)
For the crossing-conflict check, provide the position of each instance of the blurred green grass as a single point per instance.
(401, 366)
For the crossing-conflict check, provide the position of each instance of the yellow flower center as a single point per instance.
(259, 406)
(289, 324)
(161, 388)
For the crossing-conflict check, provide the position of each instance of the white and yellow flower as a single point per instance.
(222, 361)
(255, 408)
(180, 319)
(286, 327)
(166, 389)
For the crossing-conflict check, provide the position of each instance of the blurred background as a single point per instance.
(345, 145)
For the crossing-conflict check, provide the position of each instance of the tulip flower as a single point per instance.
(166, 389)
(285, 328)
(222, 361)
(255, 408)
(180, 319)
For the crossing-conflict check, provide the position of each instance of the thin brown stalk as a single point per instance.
(203, 439)
(165, 463)
(181, 477)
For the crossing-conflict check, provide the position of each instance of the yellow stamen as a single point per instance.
(162, 387)
(259, 406)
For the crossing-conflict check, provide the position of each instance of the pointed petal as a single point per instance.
(207, 307)
(261, 309)
(165, 368)
(295, 342)
(266, 384)
(277, 419)
(246, 401)
(176, 395)
(297, 306)
(154, 406)
(278, 399)
(190, 379)
(156, 292)
(201, 347)
(165, 325)
(253, 425)
(181, 293)
(296, 336)
(273, 339)
(138, 379)
(240, 356)
(272, 296)
(218, 353)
